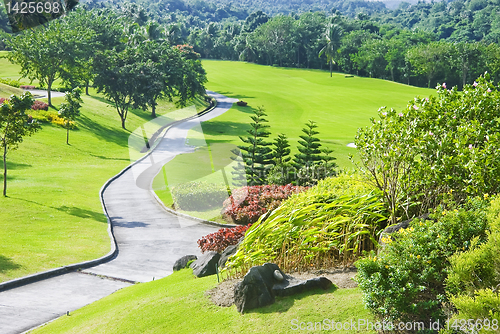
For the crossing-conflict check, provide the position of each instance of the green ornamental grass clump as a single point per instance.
(406, 280)
(328, 224)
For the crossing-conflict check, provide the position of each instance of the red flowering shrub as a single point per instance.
(27, 87)
(39, 105)
(2, 99)
(247, 204)
(218, 241)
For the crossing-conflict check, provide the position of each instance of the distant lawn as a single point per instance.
(6, 91)
(177, 304)
(52, 215)
(291, 97)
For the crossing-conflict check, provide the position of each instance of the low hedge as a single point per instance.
(199, 196)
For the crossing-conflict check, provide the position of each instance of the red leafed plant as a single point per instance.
(39, 105)
(247, 204)
(2, 99)
(220, 240)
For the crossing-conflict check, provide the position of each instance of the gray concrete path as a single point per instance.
(149, 241)
(40, 94)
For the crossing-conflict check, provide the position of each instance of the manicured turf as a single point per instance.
(291, 97)
(52, 215)
(6, 91)
(177, 304)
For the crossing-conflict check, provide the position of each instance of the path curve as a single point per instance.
(149, 240)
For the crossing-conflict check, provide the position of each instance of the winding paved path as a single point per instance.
(149, 241)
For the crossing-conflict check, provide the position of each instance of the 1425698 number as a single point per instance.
(33, 7)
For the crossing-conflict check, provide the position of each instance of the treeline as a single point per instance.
(132, 65)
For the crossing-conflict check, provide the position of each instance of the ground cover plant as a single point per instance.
(247, 204)
(291, 97)
(327, 225)
(405, 282)
(166, 304)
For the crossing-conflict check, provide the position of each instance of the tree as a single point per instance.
(14, 125)
(428, 59)
(309, 147)
(116, 75)
(256, 155)
(281, 150)
(47, 54)
(70, 109)
(332, 37)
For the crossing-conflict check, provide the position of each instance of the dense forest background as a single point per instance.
(419, 44)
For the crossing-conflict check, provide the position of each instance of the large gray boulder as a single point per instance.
(206, 265)
(262, 283)
(228, 252)
(183, 261)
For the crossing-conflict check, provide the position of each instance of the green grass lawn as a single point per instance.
(177, 303)
(52, 215)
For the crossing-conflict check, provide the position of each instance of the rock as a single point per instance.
(278, 276)
(206, 265)
(292, 286)
(262, 283)
(256, 288)
(404, 224)
(183, 261)
(230, 250)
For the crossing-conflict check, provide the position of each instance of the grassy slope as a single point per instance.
(177, 304)
(52, 215)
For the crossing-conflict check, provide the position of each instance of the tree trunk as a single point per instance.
(331, 68)
(49, 87)
(67, 133)
(153, 109)
(123, 122)
(87, 88)
(5, 171)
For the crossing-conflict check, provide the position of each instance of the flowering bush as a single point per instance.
(27, 87)
(199, 196)
(449, 141)
(247, 204)
(3, 99)
(39, 105)
(220, 240)
(406, 280)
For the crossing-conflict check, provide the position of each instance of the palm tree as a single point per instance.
(332, 36)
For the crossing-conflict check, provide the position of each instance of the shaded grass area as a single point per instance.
(291, 97)
(52, 215)
(178, 304)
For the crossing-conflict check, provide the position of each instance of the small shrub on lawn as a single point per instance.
(13, 83)
(3, 99)
(50, 117)
(220, 240)
(247, 204)
(199, 196)
(39, 105)
(406, 280)
(27, 87)
(328, 224)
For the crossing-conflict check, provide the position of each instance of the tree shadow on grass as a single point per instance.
(236, 96)
(138, 112)
(82, 213)
(283, 304)
(216, 128)
(114, 135)
(14, 165)
(7, 264)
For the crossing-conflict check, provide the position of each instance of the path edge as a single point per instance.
(17, 282)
